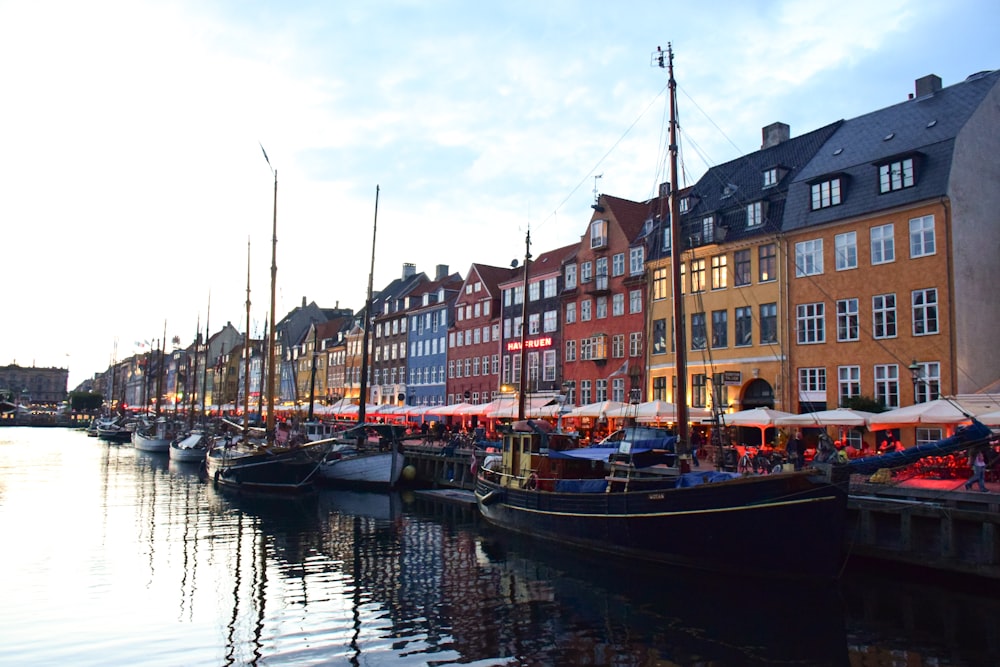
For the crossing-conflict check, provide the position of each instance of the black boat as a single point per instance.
(265, 468)
(645, 503)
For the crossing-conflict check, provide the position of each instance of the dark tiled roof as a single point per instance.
(925, 126)
(726, 190)
(492, 276)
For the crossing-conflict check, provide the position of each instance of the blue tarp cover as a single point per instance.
(706, 477)
(585, 453)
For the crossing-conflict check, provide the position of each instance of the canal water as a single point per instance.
(112, 556)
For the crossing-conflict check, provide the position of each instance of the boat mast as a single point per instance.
(204, 373)
(312, 376)
(368, 318)
(194, 374)
(270, 338)
(680, 397)
(246, 354)
(522, 377)
(159, 371)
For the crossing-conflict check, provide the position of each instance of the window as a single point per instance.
(660, 336)
(928, 386)
(666, 237)
(846, 249)
(884, 316)
(720, 272)
(768, 323)
(697, 275)
(585, 392)
(660, 388)
(618, 390)
(887, 385)
(598, 234)
(548, 288)
(698, 392)
(602, 307)
(635, 301)
(618, 264)
(635, 344)
(744, 327)
(601, 269)
(534, 291)
(882, 244)
(601, 390)
(849, 383)
(570, 279)
(661, 289)
(534, 325)
(755, 216)
(766, 263)
(549, 366)
(698, 336)
(809, 258)
(925, 312)
(636, 260)
(571, 350)
(741, 268)
(618, 346)
(684, 205)
(571, 312)
(770, 177)
(585, 307)
(812, 380)
(720, 328)
(810, 323)
(922, 236)
(847, 320)
(617, 304)
(551, 322)
(825, 194)
(895, 175)
(586, 272)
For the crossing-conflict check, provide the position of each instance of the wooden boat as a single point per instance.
(153, 436)
(639, 503)
(369, 455)
(114, 431)
(191, 447)
(270, 460)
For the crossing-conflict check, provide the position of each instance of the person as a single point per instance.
(978, 463)
(797, 450)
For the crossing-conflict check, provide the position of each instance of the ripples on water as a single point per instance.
(116, 557)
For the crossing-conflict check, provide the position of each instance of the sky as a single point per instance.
(135, 197)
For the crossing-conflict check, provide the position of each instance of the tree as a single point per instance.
(865, 403)
(85, 401)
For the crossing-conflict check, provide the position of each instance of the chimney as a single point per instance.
(928, 85)
(409, 270)
(440, 271)
(774, 134)
(303, 302)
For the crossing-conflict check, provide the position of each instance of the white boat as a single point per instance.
(153, 437)
(191, 447)
(369, 455)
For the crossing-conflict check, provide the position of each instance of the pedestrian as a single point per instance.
(978, 464)
(797, 450)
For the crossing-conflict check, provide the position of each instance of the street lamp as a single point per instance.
(915, 375)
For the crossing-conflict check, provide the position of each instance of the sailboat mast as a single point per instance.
(194, 374)
(368, 318)
(246, 353)
(522, 377)
(270, 337)
(159, 371)
(204, 372)
(680, 351)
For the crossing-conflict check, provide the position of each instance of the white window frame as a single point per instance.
(884, 316)
(848, 320)
(809, 258)
(883, 244)
(925, 310)
(810, 323)
(846, 250)
(922, 239)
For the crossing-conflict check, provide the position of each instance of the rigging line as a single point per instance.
(603, 158)
(739, 151)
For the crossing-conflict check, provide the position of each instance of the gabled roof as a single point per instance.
(491, 276)
(548, 262)
(630, 215)
(726, 190)
(924, 127)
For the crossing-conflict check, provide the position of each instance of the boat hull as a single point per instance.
(149, 443)
(786, 525)
(190, 449)
(371, 469)
(274, 471)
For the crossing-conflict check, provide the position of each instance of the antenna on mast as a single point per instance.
(596, 194)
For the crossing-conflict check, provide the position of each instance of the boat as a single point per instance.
(190, 447)
(644, 502)
(272, 460)
(153, 436)
(114, 431)
(369, 455)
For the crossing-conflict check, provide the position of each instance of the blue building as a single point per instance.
(427, 338)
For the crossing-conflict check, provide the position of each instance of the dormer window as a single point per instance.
(684, 205)
(729, 190)
(770, 177)
(826, 193)
(755, 214)
(896, 175)
(598, 234)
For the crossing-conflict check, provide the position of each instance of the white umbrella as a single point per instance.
(658, 411)
(938, 411)
(597, 410)
(762, 418)
(991, 418)
(837, 417)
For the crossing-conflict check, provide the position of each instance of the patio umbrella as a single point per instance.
(448, 410)
(597, 410)
(659, 411)
(762, 418)
(991, 418)
(837, 417)
(940, 411)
